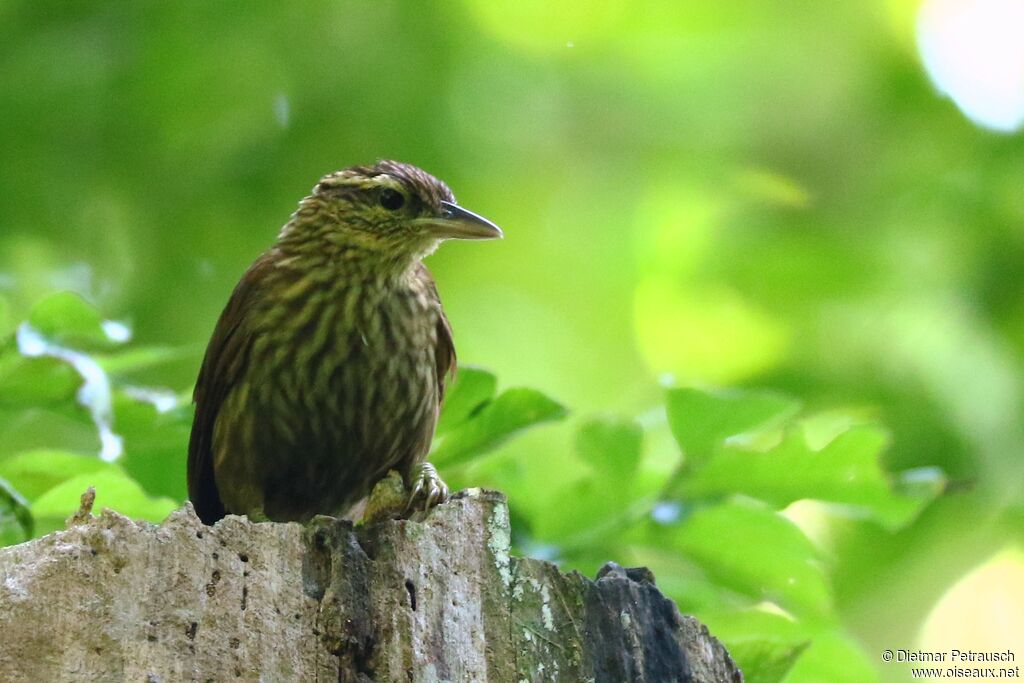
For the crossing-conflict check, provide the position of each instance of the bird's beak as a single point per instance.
(454, 222)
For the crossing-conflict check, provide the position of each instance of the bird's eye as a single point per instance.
(392, 200)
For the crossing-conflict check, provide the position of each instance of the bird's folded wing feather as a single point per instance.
(224, 363)
(444, 353)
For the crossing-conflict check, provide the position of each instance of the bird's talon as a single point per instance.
(428, 491)
(437, 494)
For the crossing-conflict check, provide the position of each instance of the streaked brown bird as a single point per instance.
(327, 367)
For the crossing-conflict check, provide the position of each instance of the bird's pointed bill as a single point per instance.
(455, 222)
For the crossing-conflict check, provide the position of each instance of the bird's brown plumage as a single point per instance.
(327, 367)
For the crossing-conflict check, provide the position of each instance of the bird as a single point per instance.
(327, 368)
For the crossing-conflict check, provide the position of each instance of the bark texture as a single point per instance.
(440, 600)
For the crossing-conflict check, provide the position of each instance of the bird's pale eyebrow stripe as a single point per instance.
(363, 182)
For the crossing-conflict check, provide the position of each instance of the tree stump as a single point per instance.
(110, 599)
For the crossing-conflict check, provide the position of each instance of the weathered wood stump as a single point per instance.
(441, 600)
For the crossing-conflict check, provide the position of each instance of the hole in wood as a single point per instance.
(411, 588)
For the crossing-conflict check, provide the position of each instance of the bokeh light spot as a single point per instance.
(983, 611)
(974, 53)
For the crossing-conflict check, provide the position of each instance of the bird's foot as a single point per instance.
(428, 489)
(390, 499)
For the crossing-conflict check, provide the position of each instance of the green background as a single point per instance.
(742, 194)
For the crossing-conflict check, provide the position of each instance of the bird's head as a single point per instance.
(390, 212)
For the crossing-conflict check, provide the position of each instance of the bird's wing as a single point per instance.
(224, 363)
(444, 353)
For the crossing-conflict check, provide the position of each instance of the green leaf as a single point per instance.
(701, 421)
(513, 411)
(847, 471)
(606, 497)
(749, 548)
(592, 510)
(64, 425)
(114, 489)
(36, 472)
(35, 381)
(832, 657)
(143, 358)
(612, 446)
(155, 444)
(765, 643)
(472, 388)
(765, 661)
(16, 523)
(69, 320)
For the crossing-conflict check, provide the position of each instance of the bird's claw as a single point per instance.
(428, 489)
(391, 499)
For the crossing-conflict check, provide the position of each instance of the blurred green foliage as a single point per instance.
(746, 194)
